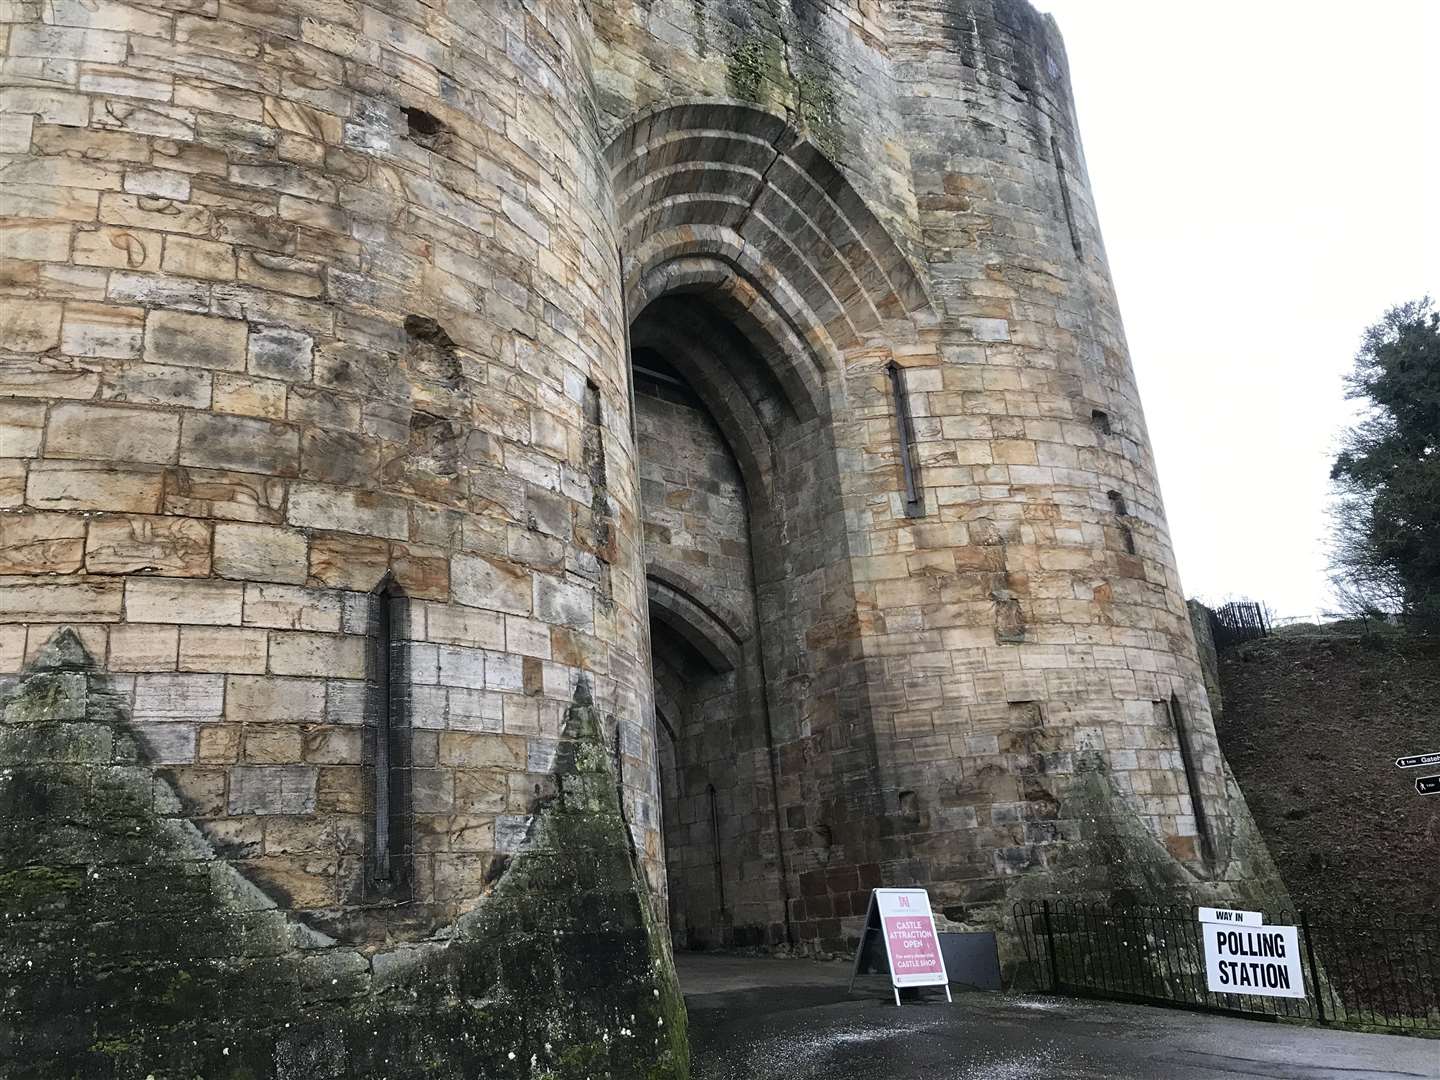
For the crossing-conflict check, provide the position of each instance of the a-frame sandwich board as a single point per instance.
(901, 918)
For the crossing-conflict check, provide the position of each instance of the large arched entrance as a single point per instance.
(753, 651)
(761, 293)
(722, 609)
(709, 704)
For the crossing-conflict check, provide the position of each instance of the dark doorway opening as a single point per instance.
(716, 791)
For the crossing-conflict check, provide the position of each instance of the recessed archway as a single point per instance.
(707, 652)
(747, 565)
(753, 276)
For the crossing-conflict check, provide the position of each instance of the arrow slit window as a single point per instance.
(1064, 182)
(1192, 781)
(1122, 514)
(387, 740)
(905, 432)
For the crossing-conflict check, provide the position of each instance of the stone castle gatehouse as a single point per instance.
(485, 481)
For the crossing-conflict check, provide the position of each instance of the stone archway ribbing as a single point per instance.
(735, 184)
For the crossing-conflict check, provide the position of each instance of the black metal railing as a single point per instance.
(1357, 973)
(1238, 622)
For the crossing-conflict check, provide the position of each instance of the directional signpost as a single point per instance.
(1424, 785)
(1417, 760)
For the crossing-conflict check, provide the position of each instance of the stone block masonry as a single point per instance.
(291, 299)
(988, 697)
(317, 429)
(265, 340)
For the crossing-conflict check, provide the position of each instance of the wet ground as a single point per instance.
(759, 1019)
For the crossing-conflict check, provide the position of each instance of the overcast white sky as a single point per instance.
(1267, 174)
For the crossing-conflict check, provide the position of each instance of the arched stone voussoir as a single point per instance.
(654, 123)
(712, 633)
(726, 163)
(685, 211)
(745, 432)
(728, 182)
(767, 346)
(738, 165)
(807, 160)
(793, 325)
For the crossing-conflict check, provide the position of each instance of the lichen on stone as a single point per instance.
(1119, 865)
(749, 65)
(819, 114)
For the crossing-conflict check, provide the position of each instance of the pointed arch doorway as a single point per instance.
(724, 865)
(753, 274)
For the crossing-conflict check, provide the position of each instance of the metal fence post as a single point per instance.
(1314, 970)
(1050, 951)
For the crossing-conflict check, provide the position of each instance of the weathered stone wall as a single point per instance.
(1200, 627)
(1023, 673)
(297, 296)
(719, 811)
(1045, 482)
(694, 506)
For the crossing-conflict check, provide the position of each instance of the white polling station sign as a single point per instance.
(1252, 959)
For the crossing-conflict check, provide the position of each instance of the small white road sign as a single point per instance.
(1415, 761)
(1231, 917)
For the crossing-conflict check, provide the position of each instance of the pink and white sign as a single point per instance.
(910, 941)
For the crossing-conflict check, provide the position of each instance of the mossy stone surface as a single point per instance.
(778, 59)
(127, 950)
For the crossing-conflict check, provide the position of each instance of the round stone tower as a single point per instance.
(1076, 716)
(321, 567)
(977, 665)
(313, 353)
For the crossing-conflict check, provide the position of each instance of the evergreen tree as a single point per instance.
(1386, 551)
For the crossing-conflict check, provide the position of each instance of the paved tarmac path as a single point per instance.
(761, 1019)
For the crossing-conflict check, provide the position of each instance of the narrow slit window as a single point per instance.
(592, 402)
(1065, 195)
(388, 720)
(1192, 781)
(592, 448)
(905, 432)
(1100, 421)
(630, 367)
